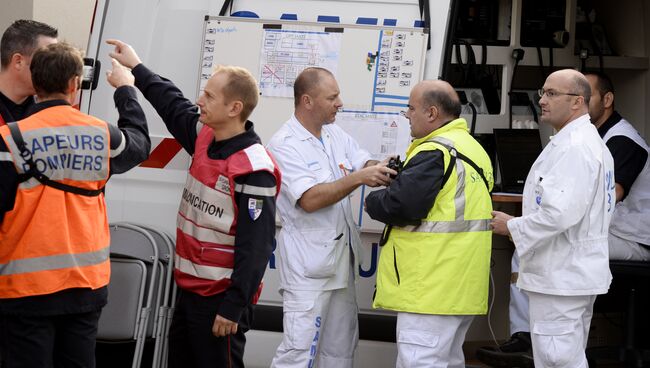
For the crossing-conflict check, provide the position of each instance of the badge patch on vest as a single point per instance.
(222, 184)
(255, 208)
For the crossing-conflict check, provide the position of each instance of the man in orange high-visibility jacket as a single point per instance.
(54, 238)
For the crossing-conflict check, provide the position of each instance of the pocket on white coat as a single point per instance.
(319, 254)
(558, 342)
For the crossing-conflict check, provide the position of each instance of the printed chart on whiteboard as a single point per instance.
(382, 134)
(286, 53)
(398, 68)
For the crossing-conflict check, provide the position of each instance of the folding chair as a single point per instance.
(170, 310)
(121, 317)
(130, 243)
(158, 326)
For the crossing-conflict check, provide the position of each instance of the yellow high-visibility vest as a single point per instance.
(442, 265)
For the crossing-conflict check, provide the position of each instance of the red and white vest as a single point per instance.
(207, 216)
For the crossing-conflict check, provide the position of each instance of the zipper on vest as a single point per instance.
(395, 264)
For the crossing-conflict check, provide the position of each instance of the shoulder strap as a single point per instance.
(33, 172)
(5, 115)
(455, 154)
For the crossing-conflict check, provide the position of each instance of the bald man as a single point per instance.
(434, 267)
(561, 237)
(318, 246)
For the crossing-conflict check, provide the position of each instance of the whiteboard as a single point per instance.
(240, 41)
(375, 67)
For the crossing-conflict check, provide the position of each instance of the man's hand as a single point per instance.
(499, 223)
(376, 175)
(223, 327)
(120, 75)
(124, 53)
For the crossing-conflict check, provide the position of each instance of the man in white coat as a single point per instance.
(629, 230)
(318, 244)
(561, 237)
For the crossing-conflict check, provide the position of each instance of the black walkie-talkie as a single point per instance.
(395, 164)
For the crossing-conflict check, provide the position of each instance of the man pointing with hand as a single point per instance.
(226, 219)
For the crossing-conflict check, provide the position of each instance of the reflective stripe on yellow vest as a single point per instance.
(442, 265)
(53, 240)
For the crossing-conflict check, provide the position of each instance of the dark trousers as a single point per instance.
(62, 341)
(191, 342)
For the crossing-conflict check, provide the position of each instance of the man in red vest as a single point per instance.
(18, 44)
(226, 218)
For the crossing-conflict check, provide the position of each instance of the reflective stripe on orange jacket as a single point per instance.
(54, 240)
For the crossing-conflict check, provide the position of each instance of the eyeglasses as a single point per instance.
(410, 109)
(551, 93)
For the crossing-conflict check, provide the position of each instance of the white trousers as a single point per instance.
(518, 307)
(626, 250)
(619, 249)
(431, 341)
(321, 329)
(560, 328)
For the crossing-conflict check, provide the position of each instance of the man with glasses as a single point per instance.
(434, 267)
(561, 237)
(628, 234)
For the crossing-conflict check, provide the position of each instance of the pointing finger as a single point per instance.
(115, 42)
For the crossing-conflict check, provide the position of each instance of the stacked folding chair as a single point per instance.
(170, 310)
(160, 326)
(133, 289)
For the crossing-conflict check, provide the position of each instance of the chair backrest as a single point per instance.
(120, 317)
(170, 311)
(131, 241)
(135, 243)
(164, 280)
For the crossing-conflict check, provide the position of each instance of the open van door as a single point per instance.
(92, 66)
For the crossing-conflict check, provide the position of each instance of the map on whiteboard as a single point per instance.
(286, 53)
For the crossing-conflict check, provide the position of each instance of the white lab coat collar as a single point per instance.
(565, 132)
(299, 130)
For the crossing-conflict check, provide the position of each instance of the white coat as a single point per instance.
(314, 248)
(568, 200)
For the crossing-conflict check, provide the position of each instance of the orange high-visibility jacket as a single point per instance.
(54, 240)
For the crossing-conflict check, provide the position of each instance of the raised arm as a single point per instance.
(130, 143)
(179, 114)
